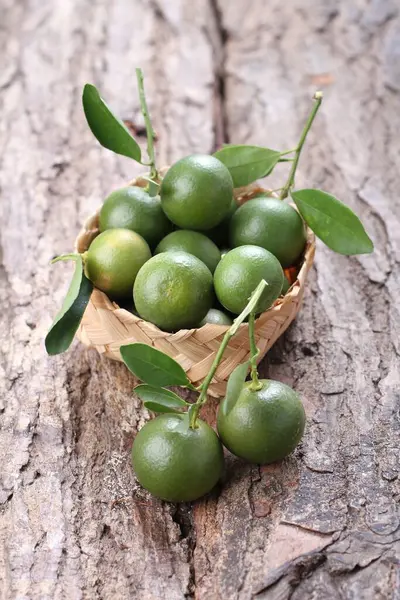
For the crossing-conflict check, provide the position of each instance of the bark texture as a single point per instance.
(324, 523)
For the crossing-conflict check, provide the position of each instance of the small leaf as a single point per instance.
(152, 366)
(106, 127)
(234, 387)
(159, 399)
(247, 163)
(333, 222)
(68, 318)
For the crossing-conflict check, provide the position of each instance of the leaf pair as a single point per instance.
(247, 163)
(68, 318)
(333, 222)
(157, 370)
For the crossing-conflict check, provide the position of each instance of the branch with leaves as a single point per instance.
(331, 220)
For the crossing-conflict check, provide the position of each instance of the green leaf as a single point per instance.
(159, 399)
(234, 387)
(333, 222)
(68, 318)
(106, 127)
(247, 163)
(152, 366)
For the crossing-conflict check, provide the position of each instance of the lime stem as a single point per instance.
(254, 352)
(149, 128)
(288, 152)
(63, 257)
(290, 182)
(202, 399)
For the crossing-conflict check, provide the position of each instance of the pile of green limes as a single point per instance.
(166, 250)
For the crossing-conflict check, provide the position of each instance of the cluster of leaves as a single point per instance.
(158, 371)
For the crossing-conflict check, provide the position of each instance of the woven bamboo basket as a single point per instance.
(105, 326)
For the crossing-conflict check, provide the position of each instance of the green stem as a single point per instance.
(149, 128)
(72, 256)
(202, 399)
(288, 152)
(290, 182)
(254, 352)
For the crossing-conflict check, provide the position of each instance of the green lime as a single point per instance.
(262, 426)
(286, 286)
(193, 242)
(240, 271)
(114, 259)
(173, 461)
(271, 224)
(173, 290)
(196, 192)
(224, 251)
(220, 233)
(216, 317)
(132, 208)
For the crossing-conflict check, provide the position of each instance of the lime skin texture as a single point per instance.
(114, 259)
(271, 224)
(216, 317)
(173, 461)
(286, 286)
(240, 271)
(193, 242)
(196, 192)
(174, 291)
(264, 425)
(132, 208)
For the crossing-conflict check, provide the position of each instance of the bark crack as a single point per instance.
(221, 130)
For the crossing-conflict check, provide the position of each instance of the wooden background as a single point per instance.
(325, 523)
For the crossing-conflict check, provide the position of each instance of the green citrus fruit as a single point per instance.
(271, 224)
(173, 461)
(224, 251)
(114, 259)
(196, 192)
(216, 317)
(173, 290)
(286, 286)
(240, 271)
(193, 242)
(262, 426)
(132, 208)
(220, 233)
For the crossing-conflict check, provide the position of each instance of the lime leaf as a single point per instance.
(159, 399)
(68, 318)
(106, 127)
(234, 387)
(152, 366)
(247, 163)
(333, 222)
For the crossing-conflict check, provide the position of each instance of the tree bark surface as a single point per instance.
(325, 522)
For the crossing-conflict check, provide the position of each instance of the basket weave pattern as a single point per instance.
(105, 326)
